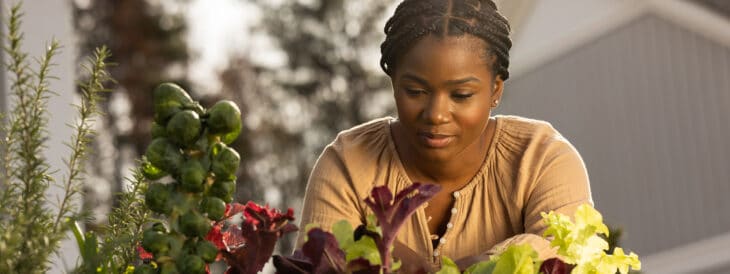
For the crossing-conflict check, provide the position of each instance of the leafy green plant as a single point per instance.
(30, 228)
(366, 249)
(579, 243)
(192, 173)
(581, 250)
(114, 248)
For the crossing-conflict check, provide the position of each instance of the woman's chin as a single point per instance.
(434, 154)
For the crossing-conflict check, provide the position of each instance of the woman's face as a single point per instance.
(444, 90)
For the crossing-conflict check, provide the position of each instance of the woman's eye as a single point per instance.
(414, 91)
(462, 96)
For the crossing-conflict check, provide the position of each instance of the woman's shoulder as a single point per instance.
(370, 135)
(360, 154)
(521, 135)
(363, 147)
(526, 129)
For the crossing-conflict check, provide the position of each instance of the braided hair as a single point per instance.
(414, 19)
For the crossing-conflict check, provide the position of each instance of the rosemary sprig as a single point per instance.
(126, 222)
(83, 131)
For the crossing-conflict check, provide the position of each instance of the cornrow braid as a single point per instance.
(414, 19)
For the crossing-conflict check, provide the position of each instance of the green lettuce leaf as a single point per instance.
(517, 259)
(578, 243)
(448, 267)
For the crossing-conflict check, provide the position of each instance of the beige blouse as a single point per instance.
(530, 168)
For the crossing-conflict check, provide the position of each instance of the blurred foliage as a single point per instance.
(148, 44)
(329, 82)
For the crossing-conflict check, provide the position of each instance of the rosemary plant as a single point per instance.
(32, 224)
(117, 250)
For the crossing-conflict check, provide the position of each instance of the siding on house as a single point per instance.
(720, 270)
(718, 6)
(648, 107)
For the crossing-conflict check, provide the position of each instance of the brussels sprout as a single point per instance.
(231, 136)
(184, 128)
(159, 227)
(207, 251)
(152, 172)
(225, 163)
(189, 246)
(195, 106)
(168, 99)
(192, 176)
(176, 243)
(145, 269)
(155, 242)
(214, 207)
(224, 118)
(191, 264)
(158, 197)
(157, 131)
(163, 154)
(193, 224)
(169, 268)
(223, 189)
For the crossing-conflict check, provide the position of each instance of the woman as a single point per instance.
(448, 61)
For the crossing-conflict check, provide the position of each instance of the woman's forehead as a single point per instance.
(447, 54)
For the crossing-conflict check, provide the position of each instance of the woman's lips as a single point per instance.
(433, 140)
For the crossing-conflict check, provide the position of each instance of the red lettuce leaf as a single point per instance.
(292, 265)
(555, 266)
(143, 254)
(324, 252)
(247, 246)
(393, 213)
(362, 266)
(321, 253)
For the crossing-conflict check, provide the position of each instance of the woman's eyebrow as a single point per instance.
(408, 76)
(462, 81)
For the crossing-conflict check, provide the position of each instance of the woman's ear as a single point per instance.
(497, 90)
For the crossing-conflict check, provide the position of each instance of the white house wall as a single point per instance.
(648, 107)
(549, 21)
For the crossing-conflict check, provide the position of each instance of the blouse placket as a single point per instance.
(452, 225)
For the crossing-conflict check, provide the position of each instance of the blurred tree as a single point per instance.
(330, 81)
(148, 44)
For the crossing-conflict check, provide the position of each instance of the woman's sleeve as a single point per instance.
(561, 185)
(330, 195)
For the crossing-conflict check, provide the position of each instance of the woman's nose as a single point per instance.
(437, 110)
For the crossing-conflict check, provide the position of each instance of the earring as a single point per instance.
(496, 102)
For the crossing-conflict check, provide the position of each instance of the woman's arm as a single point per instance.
(561, 185)
(330, 195)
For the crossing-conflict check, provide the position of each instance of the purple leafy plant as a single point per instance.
(555, 266)
(393, 213)
(247, 247)
(322, 253)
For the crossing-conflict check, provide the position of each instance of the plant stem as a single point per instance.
(83, 130)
